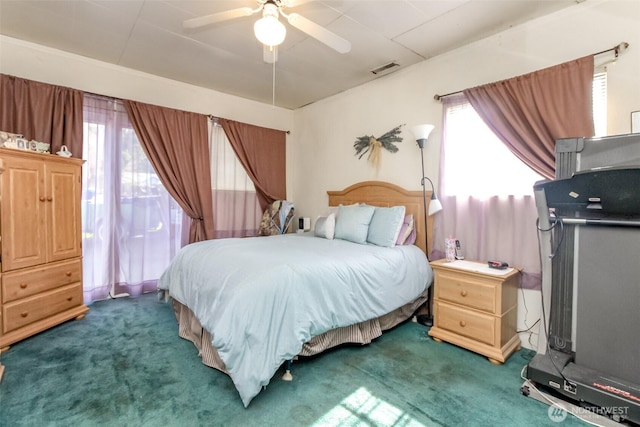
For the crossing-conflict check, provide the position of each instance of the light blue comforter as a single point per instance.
(262, 298)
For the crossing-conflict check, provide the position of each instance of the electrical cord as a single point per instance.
(526, 313)
(546, 334)
(529, 328)
(544, 316)
(556, 221)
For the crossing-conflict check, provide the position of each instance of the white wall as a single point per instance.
(323, 157)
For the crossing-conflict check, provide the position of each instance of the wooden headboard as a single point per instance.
(384, 194)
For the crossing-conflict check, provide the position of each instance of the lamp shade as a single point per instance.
(268, 30)
(434, 205)
(421, 131)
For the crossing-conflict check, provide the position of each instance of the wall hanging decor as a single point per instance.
(372, 145)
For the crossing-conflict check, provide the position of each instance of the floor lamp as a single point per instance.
(421, 133)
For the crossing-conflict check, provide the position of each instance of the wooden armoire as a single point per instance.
(41, 243)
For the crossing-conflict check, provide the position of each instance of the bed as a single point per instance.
(251, 305)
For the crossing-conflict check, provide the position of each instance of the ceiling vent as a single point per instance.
(386, 68)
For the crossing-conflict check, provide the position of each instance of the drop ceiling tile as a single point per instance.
(197, 64)
(197, 8)
(389, 18)
(109, 16)
(72, 28)
(432, 9)
(474, 20)
(369, 48)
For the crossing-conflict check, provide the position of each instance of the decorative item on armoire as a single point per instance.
(64, 152)
(18, 141)
(373, 145)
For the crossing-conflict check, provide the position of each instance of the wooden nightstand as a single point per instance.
(475, 307)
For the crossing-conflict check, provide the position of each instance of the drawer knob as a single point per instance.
(463, 293)
(42, 198)
(49, 199)
(463, 323)
(24, 314)
(23, 286)
(68, 273)
(70, 299)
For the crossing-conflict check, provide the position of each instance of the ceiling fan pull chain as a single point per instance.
(273, 86)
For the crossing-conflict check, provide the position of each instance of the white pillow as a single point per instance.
(385, 226)
(325, 226)
(332, 210)
(353, 223)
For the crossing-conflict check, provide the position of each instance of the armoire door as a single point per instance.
(23, 211)
(64, 221)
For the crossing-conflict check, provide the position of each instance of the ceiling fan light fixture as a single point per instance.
(268, 29)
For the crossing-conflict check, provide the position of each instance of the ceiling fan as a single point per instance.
(269, 30)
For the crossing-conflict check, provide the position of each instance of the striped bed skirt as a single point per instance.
(363, 333)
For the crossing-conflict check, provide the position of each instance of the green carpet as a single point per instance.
(124, 365)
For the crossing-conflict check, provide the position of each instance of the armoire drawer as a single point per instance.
(474, 292)
(31, 281)
(32, 309)
(467, 323)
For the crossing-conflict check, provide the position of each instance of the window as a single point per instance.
(477, 163)
(600, 104)
(473, 151)
(236, 210)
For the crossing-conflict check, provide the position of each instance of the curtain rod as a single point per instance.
(617, 49)
(215, 118)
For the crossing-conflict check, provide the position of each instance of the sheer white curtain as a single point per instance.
(131, 226)
(236, 211)
(486, 194)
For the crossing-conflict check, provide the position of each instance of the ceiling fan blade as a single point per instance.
(269, 54)
(320, 33)
(218, 17)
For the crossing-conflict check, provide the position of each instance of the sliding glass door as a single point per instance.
(131, 226)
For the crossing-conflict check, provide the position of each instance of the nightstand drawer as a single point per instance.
(475, 292)
(29, 310)
(477, 326)
(27, 282)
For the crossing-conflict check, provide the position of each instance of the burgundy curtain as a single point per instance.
(42, 112)
(528, 113)
(262, 152)
(176, 144)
